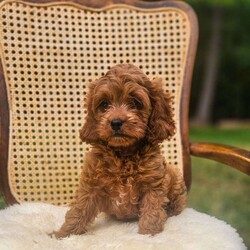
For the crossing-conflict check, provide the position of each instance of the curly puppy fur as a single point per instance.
(124, 174)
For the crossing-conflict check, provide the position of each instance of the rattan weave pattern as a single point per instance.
(50, 53)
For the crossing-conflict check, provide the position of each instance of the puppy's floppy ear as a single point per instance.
(161, 123)
(88, 131)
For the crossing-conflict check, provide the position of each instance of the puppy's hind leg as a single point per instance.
(177, 197)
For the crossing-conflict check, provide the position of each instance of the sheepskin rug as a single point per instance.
(26, 227)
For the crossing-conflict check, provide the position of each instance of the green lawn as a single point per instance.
(2, 203)
(217, 189)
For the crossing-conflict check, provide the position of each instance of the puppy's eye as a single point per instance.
(103, 105)
(137, 103)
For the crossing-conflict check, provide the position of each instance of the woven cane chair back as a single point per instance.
(50, 52)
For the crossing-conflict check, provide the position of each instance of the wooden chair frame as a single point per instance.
(237, 158)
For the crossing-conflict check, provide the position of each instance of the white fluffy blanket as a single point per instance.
(27, 226)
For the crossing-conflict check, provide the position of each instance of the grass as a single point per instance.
(217, 189)
(235, 137)
(2, 202)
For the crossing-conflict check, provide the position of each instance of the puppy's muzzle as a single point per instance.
(116, 124)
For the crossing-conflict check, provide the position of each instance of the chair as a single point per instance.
(50, 51)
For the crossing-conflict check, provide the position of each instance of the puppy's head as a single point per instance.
(124, 106)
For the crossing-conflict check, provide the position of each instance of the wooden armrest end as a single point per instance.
(232, 156)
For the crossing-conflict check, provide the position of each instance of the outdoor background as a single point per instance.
(220, 109)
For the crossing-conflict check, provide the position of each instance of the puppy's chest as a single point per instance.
(124, 183)
(128, 172)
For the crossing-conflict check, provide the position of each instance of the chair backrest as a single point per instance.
(49, 54)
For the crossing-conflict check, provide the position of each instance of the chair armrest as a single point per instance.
(232, 156)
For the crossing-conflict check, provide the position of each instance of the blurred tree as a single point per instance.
(204, 112)
(233, 95)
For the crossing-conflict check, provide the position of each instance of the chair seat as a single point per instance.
(26, 226)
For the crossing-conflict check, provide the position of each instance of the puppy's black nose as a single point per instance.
(116, 124)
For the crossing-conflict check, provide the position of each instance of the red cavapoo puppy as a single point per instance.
(124, 174)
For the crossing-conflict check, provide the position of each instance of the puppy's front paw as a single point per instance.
(59, 234)
(151, 227)
(153, 231)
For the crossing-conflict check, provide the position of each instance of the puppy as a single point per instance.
(124, 174)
